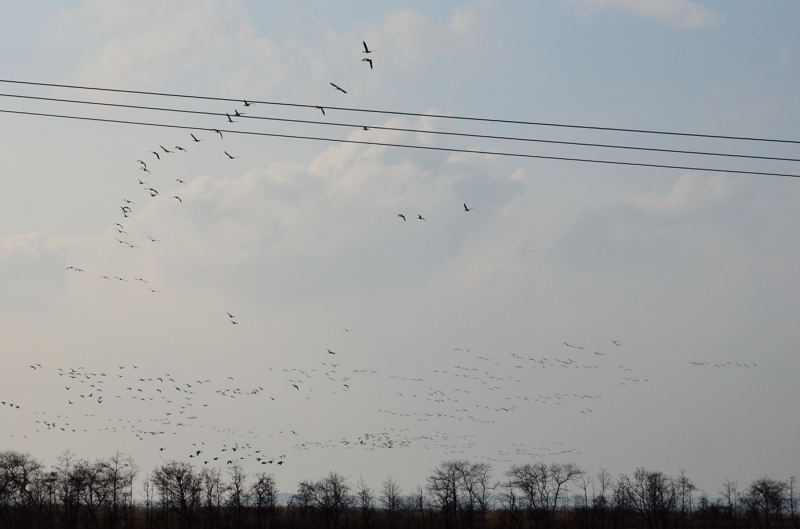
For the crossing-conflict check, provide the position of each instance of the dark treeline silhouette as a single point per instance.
(111, 493)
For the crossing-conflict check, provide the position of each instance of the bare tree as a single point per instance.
(791, 497)
(212, 489)
(237, 493)
(730, 495)
(391, 499)
(651, 495)
(543, 486)
(179, 489)
(685, 489)
(365, 499)
(333, 498)
(768, 497)
(264, 494)
(443, 484)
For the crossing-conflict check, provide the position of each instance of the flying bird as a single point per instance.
(178, 198)
(194, 138)
(321, 110)
(180, 148)
(339, 88)
(165, 149)
(229, 156)
(366, 49)
(466, 208)
(158, 156)
(402, 216)
(420, 217)
(367, 59)
(229, 118)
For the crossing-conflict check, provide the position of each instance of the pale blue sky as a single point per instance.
(301, 240)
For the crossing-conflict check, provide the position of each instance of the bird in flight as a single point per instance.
(367, 59)
(194, 138)
(229, 118)
(339, 88)
(321, 110)
(420, 217)
(75, 269)
(467, 208)
(180, 148)
(246, 102)
(178, 198)
(331, 352)
(158, 156)
(402, 216)
(218, 132)
(229, 156)
(366, 49)
(165, 149)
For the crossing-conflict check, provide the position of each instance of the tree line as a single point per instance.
(75, 493)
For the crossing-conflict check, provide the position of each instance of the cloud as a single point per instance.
(174, 44)
(678, 14)
(35, 263)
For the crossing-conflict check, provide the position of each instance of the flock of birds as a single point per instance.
(164, 410)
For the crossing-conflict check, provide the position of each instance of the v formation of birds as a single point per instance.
(164, 385)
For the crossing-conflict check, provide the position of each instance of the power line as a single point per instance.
(402, 129)
(403, 145)
(410, 114)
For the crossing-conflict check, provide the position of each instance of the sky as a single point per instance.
(608, 315)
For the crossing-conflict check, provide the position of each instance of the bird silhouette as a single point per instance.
(467, 208)
(194, 138)
(367, 59)
(339, 88)
(366, 49)
(229, 155)
(420, 217)
(402, 216)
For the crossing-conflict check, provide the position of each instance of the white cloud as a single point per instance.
(679, 14)
(688, 193)
(167, 44)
